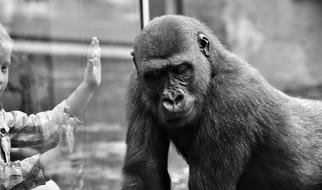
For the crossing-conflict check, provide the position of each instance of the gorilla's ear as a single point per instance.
(204, 44)
(133, 57)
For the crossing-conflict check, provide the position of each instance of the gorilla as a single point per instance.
(235, 130)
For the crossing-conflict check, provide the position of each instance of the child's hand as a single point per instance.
(49, 159)
(93, 70)
(52, 159)
(79, 99)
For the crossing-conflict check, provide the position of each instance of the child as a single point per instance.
(42, 129)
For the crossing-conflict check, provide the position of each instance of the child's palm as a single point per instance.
(93, 69)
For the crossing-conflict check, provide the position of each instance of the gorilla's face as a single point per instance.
(168, 88)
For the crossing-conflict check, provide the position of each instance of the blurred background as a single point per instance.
(282, 38)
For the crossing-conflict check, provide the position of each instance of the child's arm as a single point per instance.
(41, 129)
(77, 101)
(27, 172)
(54, 157)
(34, 170)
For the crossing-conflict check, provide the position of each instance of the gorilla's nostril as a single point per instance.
(179, 98)
(168, 100)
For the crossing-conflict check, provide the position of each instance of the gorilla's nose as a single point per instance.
(173, 100)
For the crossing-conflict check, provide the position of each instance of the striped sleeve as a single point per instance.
(39, 130)
(24, 174)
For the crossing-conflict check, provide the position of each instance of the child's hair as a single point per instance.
(6, 42)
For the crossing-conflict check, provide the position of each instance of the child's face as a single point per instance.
(4, 68)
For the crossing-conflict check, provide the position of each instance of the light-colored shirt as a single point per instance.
(36, 130)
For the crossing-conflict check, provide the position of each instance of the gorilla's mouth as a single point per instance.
(180, 117)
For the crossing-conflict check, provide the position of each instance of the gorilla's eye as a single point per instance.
(183, 69)
(152, 76)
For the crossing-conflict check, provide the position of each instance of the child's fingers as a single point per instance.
(95, 60)
(61, 132)
(95, 41)
(62, 141)
(90, 65)
(96, 52)
(94, 49)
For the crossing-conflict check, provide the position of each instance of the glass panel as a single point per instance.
(48, 62)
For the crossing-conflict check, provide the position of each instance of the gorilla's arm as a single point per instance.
(217, 162)
(146, 158)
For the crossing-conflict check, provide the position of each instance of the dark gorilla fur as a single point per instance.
(241, 134)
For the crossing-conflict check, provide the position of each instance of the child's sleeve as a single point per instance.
(39, 130)
(24, 174)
